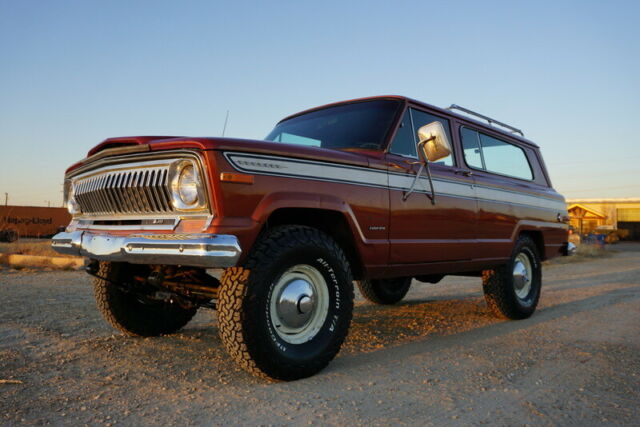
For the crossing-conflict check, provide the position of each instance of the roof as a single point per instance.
(443, 111)
(587, 210)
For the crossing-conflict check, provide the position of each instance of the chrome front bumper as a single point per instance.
(197, 250)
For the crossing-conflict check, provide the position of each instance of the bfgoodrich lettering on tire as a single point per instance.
(513, 290)
(286, 312)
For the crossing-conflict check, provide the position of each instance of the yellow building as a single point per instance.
(614, 214)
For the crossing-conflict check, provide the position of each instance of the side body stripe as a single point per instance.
(333, 172)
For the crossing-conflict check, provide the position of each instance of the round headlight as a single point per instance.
(188, 185)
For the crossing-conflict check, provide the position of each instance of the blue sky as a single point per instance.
(73, 73)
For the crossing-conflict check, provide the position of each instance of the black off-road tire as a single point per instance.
(128, 312)
(246, 329)
(384, 291)
(499, 289)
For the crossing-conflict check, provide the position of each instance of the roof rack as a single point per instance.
(488, 119)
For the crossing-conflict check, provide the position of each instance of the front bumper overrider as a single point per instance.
(197, 250)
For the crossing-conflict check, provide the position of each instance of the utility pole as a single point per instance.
(6, 199)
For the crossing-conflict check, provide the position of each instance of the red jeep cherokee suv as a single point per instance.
(379, 191)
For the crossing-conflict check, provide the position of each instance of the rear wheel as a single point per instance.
(513, 290)
(285, 314)
(131, 312)
(384, 291)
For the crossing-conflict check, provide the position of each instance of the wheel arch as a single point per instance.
(538, 238)
(332, 222)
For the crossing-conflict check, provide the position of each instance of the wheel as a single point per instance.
(286, 312)
(512, 291)
(132, 313)
(384, 291)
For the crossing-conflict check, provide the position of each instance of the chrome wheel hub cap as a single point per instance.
(299, 304)
(522, 276)
(295, 304)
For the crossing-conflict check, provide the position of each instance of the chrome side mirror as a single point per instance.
(434, 143)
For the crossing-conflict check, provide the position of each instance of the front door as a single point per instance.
(420, 231)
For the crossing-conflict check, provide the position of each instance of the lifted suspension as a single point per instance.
(187, 286)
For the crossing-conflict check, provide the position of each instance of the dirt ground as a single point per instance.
(437, 358)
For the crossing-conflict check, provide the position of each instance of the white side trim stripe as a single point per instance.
(333, 172)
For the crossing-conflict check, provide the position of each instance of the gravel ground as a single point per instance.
(438, 357)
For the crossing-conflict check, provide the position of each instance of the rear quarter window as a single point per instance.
(494, 155)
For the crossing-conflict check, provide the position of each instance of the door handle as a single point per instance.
(464, 173)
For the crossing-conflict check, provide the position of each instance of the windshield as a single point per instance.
(357, 125)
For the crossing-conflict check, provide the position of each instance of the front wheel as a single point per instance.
(134, 313)
(512, 291)
(285, 314)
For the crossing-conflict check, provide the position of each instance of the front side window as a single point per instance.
(406, 138)
(356, 125)
(494, 155)
(404, 143)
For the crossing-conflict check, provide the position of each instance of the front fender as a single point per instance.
(306, 200)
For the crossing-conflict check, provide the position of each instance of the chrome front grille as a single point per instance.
(143, 190)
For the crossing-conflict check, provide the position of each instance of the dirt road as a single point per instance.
(438, 357)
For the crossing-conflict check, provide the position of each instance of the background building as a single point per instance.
(621, 214)
(31, 221)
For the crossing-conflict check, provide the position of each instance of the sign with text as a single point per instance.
(33, 221)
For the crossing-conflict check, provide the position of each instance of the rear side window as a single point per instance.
(494, 155)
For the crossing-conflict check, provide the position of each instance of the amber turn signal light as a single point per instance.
(236, 177)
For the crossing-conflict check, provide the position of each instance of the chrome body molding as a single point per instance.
(109, 223)
(155, 223)
(196, 250)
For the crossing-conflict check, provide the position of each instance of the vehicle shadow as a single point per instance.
(419, 327)
(428, 321)
(376, 327)
(378, 334)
